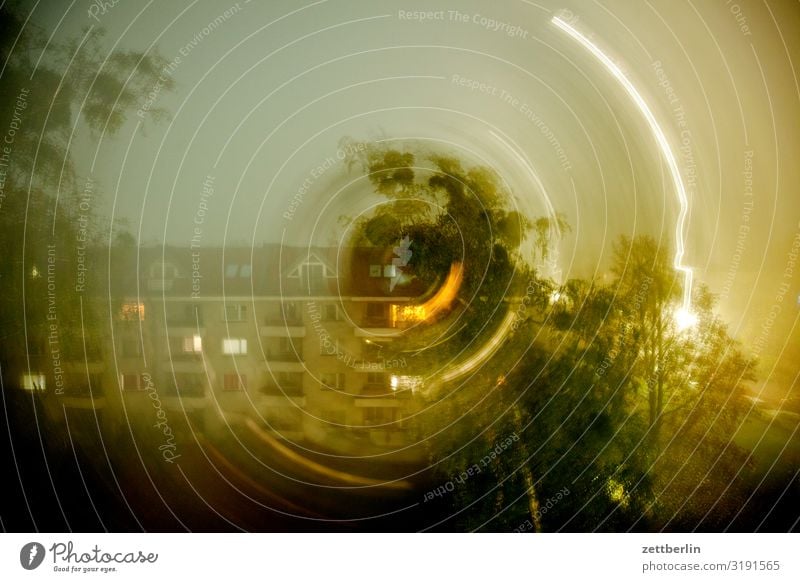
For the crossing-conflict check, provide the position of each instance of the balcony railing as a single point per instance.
(288, 320)
(285, 355)
(274, 389)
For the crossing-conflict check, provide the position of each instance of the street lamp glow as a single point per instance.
(685, 319)
(680, 190)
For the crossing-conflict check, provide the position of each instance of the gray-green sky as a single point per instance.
(265, 94)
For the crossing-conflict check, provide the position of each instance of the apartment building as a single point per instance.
(298, 340)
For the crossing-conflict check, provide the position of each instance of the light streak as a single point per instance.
(680, 190)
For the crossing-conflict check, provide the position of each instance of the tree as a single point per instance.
(44, 217)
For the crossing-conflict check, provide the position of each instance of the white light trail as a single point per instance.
(680, 190)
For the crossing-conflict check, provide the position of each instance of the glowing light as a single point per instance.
(680, 237)
(439, 302)
(684, 319)
(555, 297)
(393, 382)
(616, 492)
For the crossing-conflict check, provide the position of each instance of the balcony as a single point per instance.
(283, 327)
(381, 395)
(275, 395)
(376, 326)
(285, 361)
(285, 355)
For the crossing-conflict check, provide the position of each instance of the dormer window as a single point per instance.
(162, 276)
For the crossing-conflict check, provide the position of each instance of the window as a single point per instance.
(234, 382)
(372, 350)
(235, 312)
(192, 344)
(33, 381)
(133, 382)
(132, 311)
(130, 347)
(332, 380)
(376, 310)
(379, 415)
(291, 313)
(232, 270)
(184, 314)
(376, 378)
(290, 379)
(328, 346)
(330, 312)
(234, 346)
(162, 276)
(190, 385)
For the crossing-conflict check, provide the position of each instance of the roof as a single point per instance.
(274, 270)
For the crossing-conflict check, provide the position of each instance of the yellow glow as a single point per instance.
(616, 492)
(680, 190)
(685, 319)
(439, 302)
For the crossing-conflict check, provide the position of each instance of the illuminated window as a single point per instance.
(132, 311)
(245, 271)
(192, 344)
(132, 382)
(234, 346)
(234, 382)
(33, 381)
(235, 312)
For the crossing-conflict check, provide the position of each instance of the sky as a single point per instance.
(265, 92)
